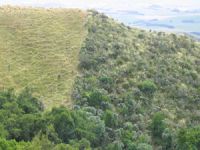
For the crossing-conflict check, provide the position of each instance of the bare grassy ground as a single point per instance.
(39, 49)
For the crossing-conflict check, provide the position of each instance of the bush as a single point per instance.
(147, 87)
(97, 99)
(28, 103)
(167, 139)
(82, 144)
(19, 115)
(111, 119)
(116, 145)
(189, 139)
(157, 125)
(25, 127)
(144, 146)
(64, 125)
(72, 125)
(6, 96)
(87, 62)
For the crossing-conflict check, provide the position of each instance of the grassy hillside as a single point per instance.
(39, 49)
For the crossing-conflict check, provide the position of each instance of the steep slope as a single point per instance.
(145, 85)
(39, 49)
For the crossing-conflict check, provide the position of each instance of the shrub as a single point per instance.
(28, 103)
(111, 119)
(147, 87)
(6, 96)
(87, 62)
(64, 124)
(25, 127)
(157, 125)
(10, 145)
(72, 125)
(167, 139)
(97, 99)
(82, 144)
(116, 145)
(144, 146)
(189, 139)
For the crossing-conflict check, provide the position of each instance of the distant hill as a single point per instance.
(39, 49)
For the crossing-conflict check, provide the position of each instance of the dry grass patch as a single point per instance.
(39, 49)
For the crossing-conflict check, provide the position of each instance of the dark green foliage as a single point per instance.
(189, 139)
(116, 145)
(168, 139)
(19, 116)
(106, 82)
(127, 138)
(87, 62)
(97, 99)
(144, 146)
(158, 125)
(28, 103)
(81, 144)
(64, 125)
(6, 96)
(25, 127)
(148, 87)
(111, 119)
(26, 122)
(77, 125)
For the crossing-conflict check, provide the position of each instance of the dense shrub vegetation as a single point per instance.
(137, 90)
(24, 125)
(144, 85)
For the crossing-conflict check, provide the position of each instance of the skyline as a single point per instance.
(114, 4)
(168, 15)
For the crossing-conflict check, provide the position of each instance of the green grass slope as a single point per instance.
(39, 49)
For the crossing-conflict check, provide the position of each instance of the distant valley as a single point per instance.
(169, 20)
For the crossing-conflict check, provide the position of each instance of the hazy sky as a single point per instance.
(114, 4)
(131, 11)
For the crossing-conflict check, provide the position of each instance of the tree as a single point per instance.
(28, 103)
(64, 125)
(76, 125)
(25, 127)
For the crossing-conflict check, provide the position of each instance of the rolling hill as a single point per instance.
(39, 49)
